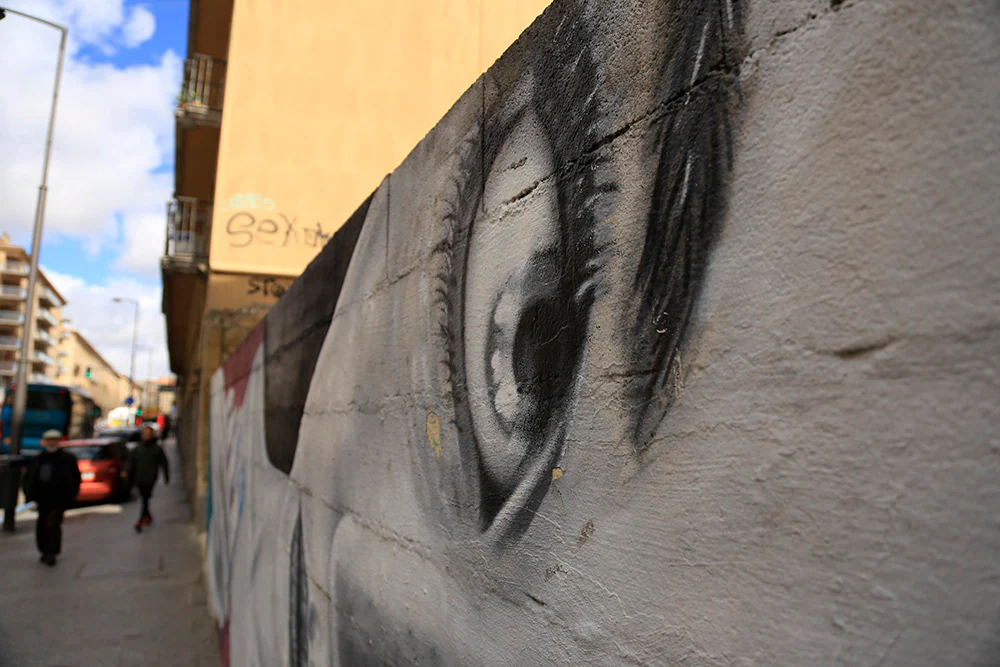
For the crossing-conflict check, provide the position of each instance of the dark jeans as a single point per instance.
(48, 529)
(146, 492)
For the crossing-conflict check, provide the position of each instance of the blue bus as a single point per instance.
(68, 409)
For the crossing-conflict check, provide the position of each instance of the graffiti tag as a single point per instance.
(245, 229)
(266, 286)
(248, 200)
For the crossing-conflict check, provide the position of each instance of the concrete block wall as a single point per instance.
(675, 341)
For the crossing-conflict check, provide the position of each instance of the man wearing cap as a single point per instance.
(52, 482)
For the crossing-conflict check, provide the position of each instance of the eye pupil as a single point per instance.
(541, 353)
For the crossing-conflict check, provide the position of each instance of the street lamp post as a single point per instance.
(148, 349)
(135, 333)
(21, 389)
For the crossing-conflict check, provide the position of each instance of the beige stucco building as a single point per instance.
(81, 365)
(290, 115)
(46, 326)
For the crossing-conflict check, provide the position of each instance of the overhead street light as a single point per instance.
(21, 388)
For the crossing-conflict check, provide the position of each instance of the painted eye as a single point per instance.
(523, 362)
(521, 331)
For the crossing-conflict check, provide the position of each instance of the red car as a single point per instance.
(103, 467)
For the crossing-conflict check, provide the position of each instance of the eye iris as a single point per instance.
(539, 357)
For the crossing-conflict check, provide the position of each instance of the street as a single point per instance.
(116, 598)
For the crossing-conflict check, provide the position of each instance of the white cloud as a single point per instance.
(108, 325)
(114, 126)
(114, 132)
(92, 21)
(140, 27)
(144, 243)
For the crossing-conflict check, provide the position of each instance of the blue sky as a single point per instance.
(62, 253)
(112, 161)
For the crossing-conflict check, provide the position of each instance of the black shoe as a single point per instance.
(44, 558)
(50, 560)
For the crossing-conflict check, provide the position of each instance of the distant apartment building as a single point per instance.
(158, 395)
(289, 116)
(81, 365)
(45, 329)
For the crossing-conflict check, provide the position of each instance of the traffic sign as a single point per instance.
(129, 401)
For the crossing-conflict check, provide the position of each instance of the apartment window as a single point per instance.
(76, 371)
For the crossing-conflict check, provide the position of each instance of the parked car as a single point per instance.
(130, 435)
(103, 467)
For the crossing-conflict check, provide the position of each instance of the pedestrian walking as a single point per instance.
(52, 482)
(144, 469)
(163, 422)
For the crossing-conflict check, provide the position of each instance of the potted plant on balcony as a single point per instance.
(187, 99)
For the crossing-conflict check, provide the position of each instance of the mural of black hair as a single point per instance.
(294, 331)
(692, 142)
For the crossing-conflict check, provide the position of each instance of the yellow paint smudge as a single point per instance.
(434, 433)
(557, 473)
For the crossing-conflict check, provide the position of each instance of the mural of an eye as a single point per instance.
(525, 267)
(512, 340)
(525, 259)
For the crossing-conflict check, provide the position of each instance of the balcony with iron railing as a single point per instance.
(200, 99)
(45, 317)
(11, 317)
(15, 268)
(44, 337)
(47, 296)
(189, 230)
(10, 343)
(8, 367)
(37, 356)
(13, 293)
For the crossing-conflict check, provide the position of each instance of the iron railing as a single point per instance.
(189, 228)
(10, 343)
(45, 337)
(47, 294)
(41, 357)
(16, 268)
(11, 317)
(8, 367)
(47, 317)
(200, 99)
(13, 292)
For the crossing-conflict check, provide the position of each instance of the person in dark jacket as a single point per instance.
(144, 468)
(52, 482)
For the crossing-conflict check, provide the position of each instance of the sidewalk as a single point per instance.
(116, 598)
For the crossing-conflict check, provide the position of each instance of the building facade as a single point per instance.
(81, 365)
(289, 115)
(46, 327)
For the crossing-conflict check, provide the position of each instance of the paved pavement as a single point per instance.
(116, 598)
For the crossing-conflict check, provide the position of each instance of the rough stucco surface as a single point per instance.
(798, 465)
